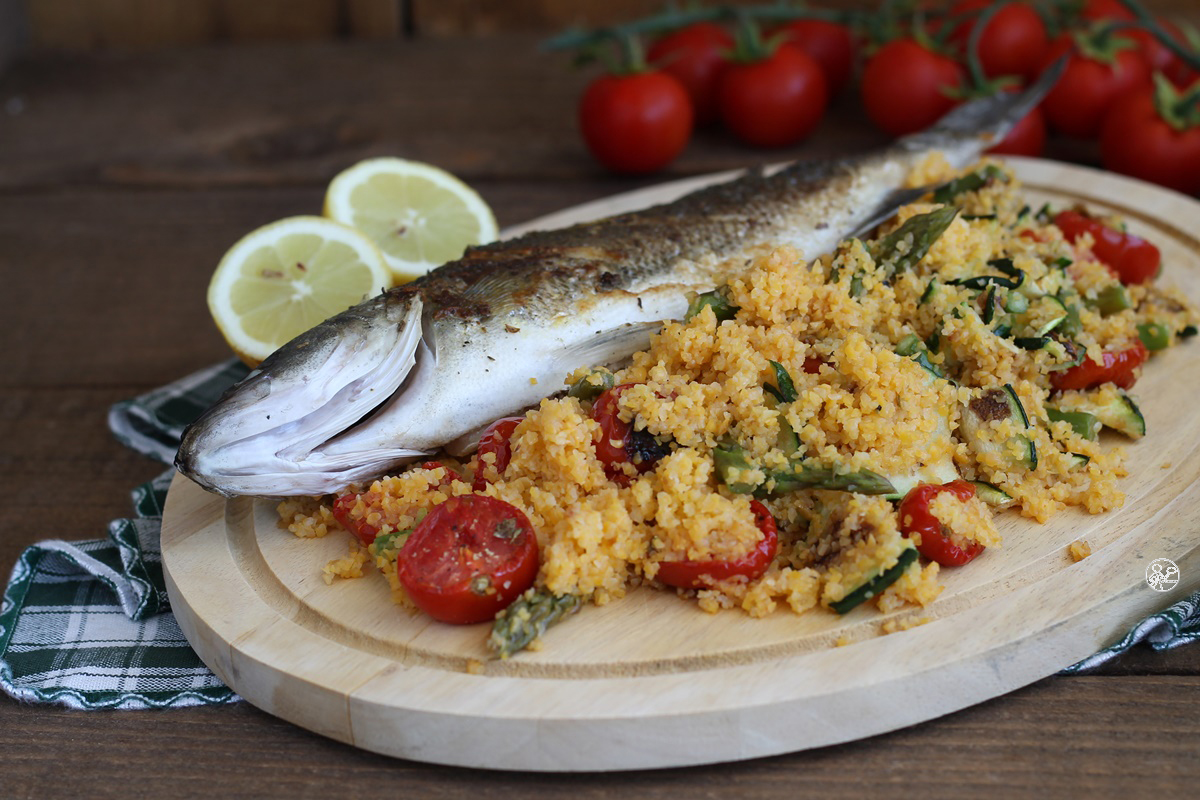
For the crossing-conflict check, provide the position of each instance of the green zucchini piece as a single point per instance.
(1188, 331)
(1016, 303)
(931, 290)
(1115, 410)
(911, 346)
(993, 495)
(784, 389)
(877, 583)
(1079, 460)
(1085, 424)
(994, 404)
(732, 464)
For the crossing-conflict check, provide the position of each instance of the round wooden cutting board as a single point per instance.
(651, 680)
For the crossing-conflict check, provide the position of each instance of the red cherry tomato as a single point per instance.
(1013, 43)
(1119, 368)
(829, 44)
(1131, 258)
(619, 443)
(496, 440)
(1027, 138)
(635, 123)
(812, 364)
(936, 542)
(775, 101)
(695, 56)
(703, 574)
(1136, 141)
(344, 505)
(1105, 10)
(469, 558)
(1078, 102)
(906, 88)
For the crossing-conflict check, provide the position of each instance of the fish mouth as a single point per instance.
(298, 420)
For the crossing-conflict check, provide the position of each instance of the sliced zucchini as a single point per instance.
(1114, 409)
(876, 583)
(996, 404)
(1085, 424)
(993, 495)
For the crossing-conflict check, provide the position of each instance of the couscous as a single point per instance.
(815, 435)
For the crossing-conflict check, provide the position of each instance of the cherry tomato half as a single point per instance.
(936, 542)
(1136, 141)
(703, 574)
(1119, 367)
(1087, 88)
(906, 88)
(775, 101)
(635, 123)
(496, 439)
(694, 55)
(469, 558)
(1131, 258)
(619, 443)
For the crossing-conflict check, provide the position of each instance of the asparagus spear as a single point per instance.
(527, 618)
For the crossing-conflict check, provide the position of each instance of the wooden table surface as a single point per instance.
(123, 178)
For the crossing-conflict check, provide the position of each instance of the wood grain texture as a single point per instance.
(649, 681)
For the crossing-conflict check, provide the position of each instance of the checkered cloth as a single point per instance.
(87, 624)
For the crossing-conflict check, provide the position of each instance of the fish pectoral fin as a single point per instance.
(609, 347)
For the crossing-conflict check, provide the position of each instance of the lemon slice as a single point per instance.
(286, 277)
(418, 215)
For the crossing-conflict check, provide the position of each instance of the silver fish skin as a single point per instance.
(432, 362)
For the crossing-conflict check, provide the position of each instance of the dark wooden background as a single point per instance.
(140, 138)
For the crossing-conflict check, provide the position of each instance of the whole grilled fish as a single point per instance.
(424, 364)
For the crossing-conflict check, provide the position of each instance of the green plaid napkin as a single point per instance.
(87, 624)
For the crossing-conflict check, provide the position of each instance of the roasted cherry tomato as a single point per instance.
(829, 44)
(635, 123)
(1088, 87)
(469, 558)
(1131, 258)
(773, 101)
(1137, 141)
(619, 443)
(906, 88)
(1014, 42)
(695, 56)
(366, 532)
(1119, 367)
(495, 440)
(703, 574)
(936, 542)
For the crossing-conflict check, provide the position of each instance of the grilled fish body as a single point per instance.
(424, 364)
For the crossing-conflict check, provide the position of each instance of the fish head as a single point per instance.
(260, 435)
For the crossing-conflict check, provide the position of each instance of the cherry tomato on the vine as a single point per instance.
(829, 44)
(495, 441)
(635, 123)
(936, 543)
(1014, 42)
(1027, 138)
(1131, 258)
(685, 574)
(773, 101)
(1137, 141)
(1119, 367)
(1078, 102)
(469, 558)
(1095, 10)
(695, 55)
(906, 87)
